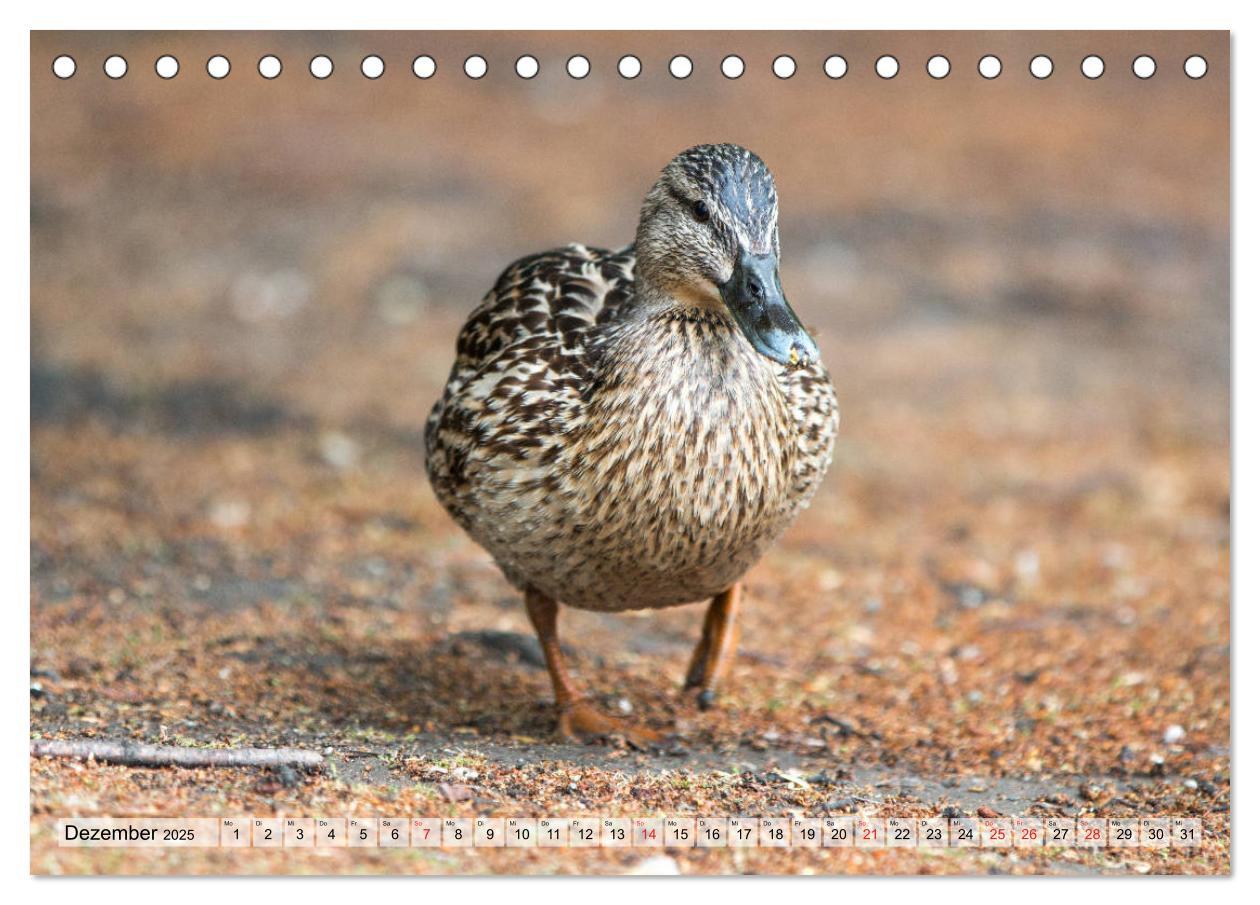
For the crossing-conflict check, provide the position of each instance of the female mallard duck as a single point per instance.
(631, 429)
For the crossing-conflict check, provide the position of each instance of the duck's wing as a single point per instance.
(816, 414)
(558, 294)
(521, 366)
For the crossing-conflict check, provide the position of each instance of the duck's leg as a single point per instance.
(716, 649)
(579, 718)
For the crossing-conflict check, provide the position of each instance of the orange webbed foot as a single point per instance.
(582, 721)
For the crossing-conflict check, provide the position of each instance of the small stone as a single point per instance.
(401, 299)
(1174, 734)
(278, 295)
(455, 791)
(655, 866)
(338, 450)
(229, 513)
(830, 580)
(624, 705)
(861, 634)
(970, 597)
(1027, 564)
(953, 812)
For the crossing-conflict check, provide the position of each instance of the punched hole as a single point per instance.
(166, 66)
(990, 67)
(218, 67)
(423, 67)
(270, 67)
(1092, 67)
(938, 66)
(64, 66)
(115, 66)
(321, 67)
(527, 66)
(1144, 66)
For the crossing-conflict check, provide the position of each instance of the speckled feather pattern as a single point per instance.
(615, 454)
(615, 460)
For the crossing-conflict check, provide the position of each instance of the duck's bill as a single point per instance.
(755, 299)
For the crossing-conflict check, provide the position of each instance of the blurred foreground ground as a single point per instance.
(1012, 592)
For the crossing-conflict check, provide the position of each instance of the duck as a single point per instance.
(632, 429)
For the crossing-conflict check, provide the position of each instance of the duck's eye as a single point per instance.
(701, 211)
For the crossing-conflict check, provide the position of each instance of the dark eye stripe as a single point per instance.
(699, 208)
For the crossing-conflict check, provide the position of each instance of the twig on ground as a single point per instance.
(138, 754)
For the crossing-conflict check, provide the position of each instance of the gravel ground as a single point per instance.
(1012, 593)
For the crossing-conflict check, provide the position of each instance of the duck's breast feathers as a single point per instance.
(559, 294)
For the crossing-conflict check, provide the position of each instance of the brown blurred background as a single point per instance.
(320, 239)
(245, 295)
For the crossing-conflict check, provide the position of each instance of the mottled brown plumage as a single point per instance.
(609, 433)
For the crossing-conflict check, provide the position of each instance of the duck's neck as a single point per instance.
(671, 341)
(650, 297)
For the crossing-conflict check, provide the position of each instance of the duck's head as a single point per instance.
(709, 236)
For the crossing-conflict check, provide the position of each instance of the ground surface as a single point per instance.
(1012, 593)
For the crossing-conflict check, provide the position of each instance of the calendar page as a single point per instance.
(637, 453)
